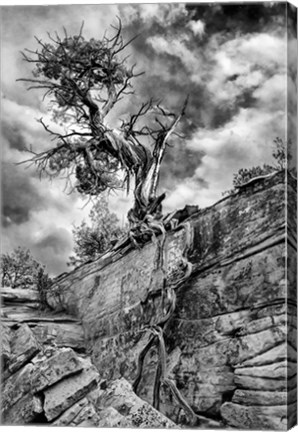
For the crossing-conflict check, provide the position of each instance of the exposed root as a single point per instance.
(157, 333)
(161, 373)
(156, 388)
(140, 365)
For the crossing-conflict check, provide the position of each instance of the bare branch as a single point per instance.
(86, 79)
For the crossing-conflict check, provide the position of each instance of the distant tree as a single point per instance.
(19, 268)
(282, 157)
(92, 240)
(85, 80)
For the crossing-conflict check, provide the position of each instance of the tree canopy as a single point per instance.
(85, 79)
(19, 268)
(93, 239)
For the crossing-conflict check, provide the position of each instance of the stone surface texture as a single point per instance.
(232, 319)
(120, 396)
(231, 341)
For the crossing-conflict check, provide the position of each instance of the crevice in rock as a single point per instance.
(227, 396)
(40, 419)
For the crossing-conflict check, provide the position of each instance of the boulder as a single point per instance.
(49, 371)
(64, 394)
(23, 347)
(16, 387)
(87, 417)
(78, 413)
(119, 395)
(5, 345)
(111, 418)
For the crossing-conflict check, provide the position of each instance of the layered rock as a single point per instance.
(54, 385)
(235, 311)
(49, 327)
(231, 341)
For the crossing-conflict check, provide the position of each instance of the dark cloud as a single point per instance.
(14, 136)
(186, 49)
(19, 195)
(226, 22)
(179, 163)
(238, 18)
(54, 249)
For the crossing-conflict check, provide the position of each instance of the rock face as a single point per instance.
(23, 306)
(231, 341)
(54, 385)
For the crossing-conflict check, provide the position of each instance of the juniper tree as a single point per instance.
(85, 79)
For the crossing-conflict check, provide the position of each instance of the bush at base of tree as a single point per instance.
(93, 240)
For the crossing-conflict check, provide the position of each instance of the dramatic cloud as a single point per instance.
(229, 58)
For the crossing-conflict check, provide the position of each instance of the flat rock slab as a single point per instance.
(256, 417)
(16, 386)
(82, 413)
(49, 371)
(19, 295)
(45, 370)
(62, 395)
(63, 334)
(138, 412)
(259, 397)
(5, 345)
(277, 370)
(68, 416)
(280, 352)
(24, 347)
(259, 383)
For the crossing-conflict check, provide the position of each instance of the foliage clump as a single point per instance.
(282, 157)
(19, 269)
(92, 240)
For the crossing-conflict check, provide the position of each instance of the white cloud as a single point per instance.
(175, 46)
(224, 68)
(197, 27)
(165, 14)
(242, 64)
(272, 94)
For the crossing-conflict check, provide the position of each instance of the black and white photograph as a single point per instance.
(149, 215)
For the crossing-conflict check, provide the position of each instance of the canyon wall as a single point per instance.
(231, 341)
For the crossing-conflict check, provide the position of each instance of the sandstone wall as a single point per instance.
(231, 340)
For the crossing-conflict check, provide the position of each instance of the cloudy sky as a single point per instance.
(237, 63)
